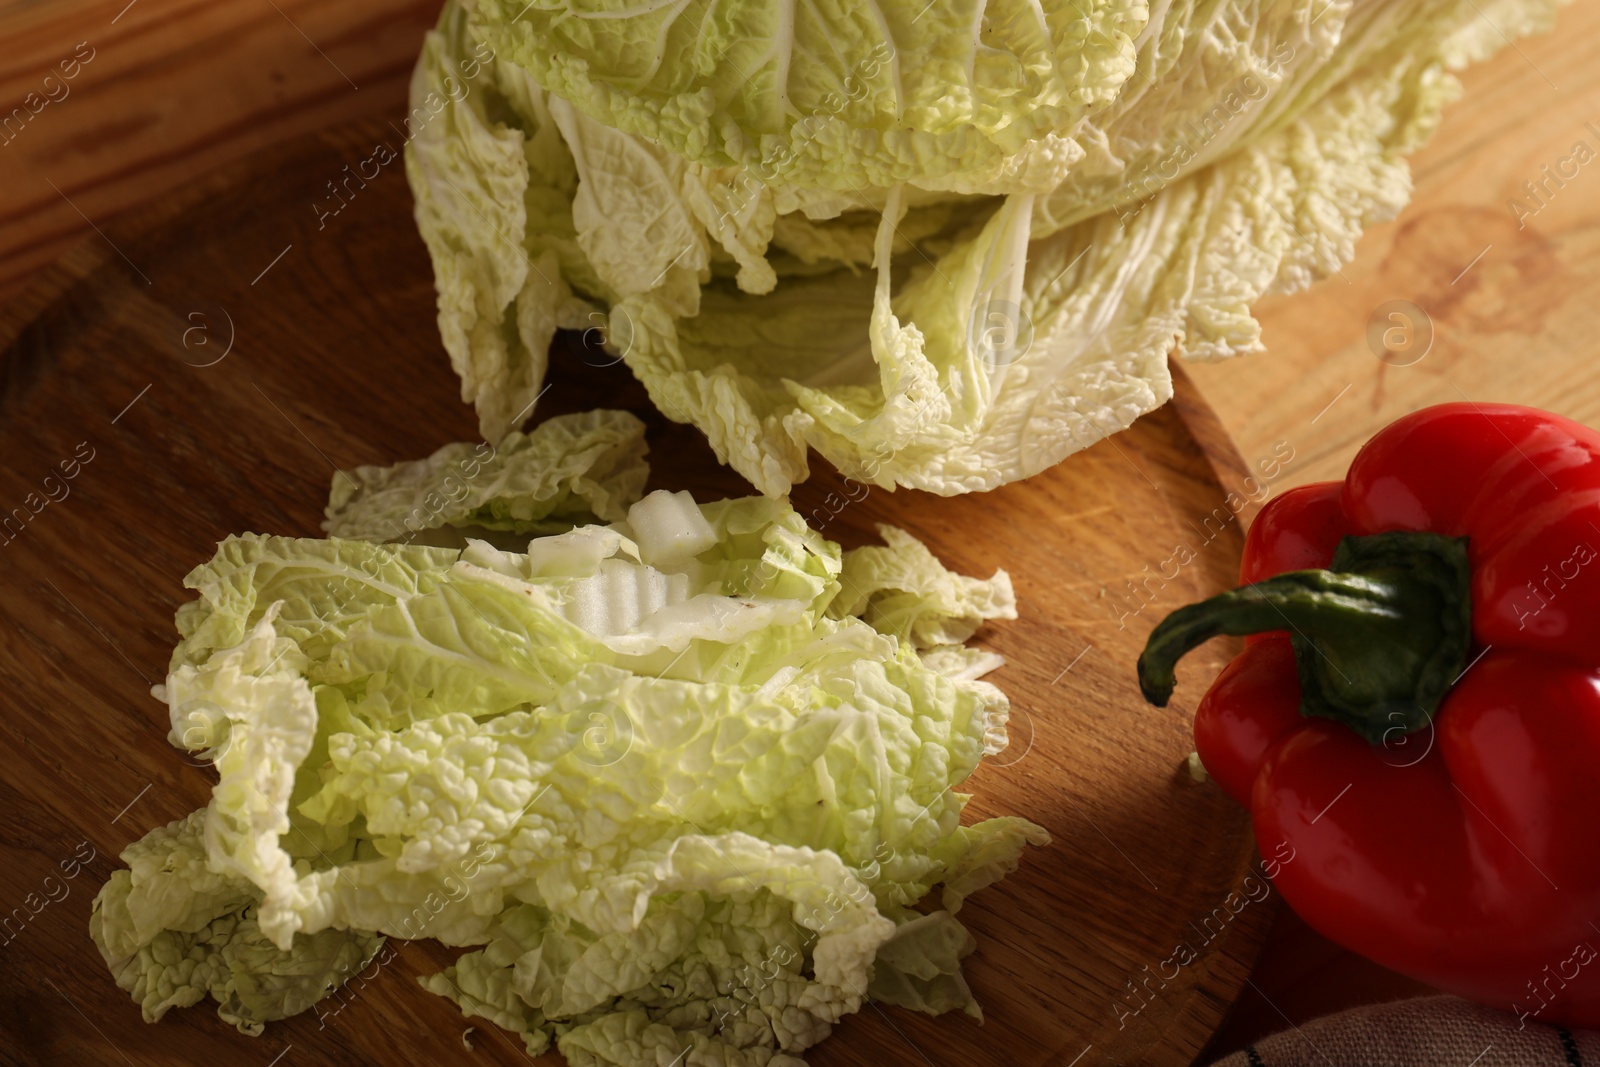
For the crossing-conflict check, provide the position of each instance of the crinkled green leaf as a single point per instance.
(920, 966)
(901, 589)
(493, 203)
(321, 588)
(834, 96)
(568, 471)
(172, 932)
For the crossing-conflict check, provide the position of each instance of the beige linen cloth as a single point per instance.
(1431, 1032)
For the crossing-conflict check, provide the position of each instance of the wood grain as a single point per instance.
(175, 89)
(335, 360)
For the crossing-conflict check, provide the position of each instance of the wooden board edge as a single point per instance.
(1216, 444)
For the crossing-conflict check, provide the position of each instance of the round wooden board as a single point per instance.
(216, 355)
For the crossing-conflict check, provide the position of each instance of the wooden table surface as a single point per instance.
(165, 90)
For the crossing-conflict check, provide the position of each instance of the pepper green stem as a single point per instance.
(1379, 637)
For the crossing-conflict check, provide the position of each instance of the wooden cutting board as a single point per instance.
(201, 368)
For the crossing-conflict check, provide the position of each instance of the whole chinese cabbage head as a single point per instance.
(944, 244)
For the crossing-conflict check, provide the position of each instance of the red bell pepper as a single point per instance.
(1417, 711)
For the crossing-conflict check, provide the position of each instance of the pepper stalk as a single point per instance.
(1378, 638)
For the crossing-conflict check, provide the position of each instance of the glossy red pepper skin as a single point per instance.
(1466, 854)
